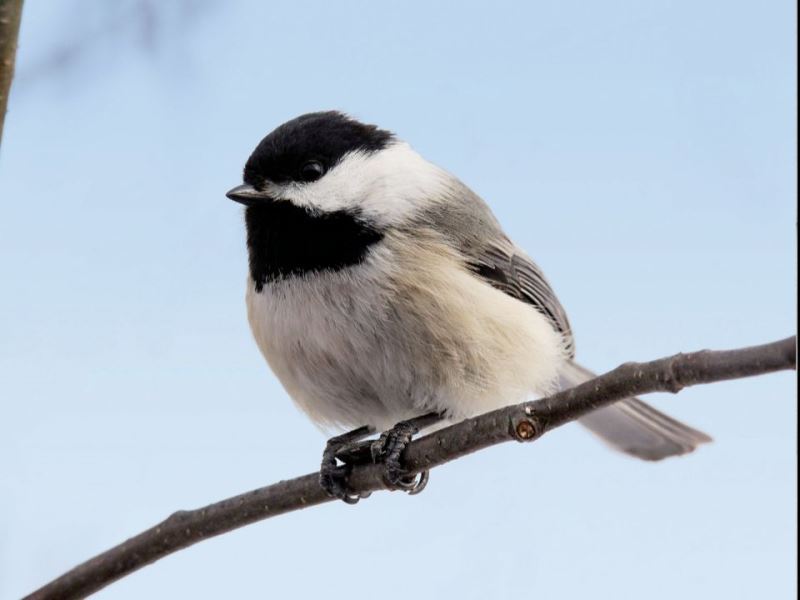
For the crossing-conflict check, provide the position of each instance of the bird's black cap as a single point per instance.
(321, 136)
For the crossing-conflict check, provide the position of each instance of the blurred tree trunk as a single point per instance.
(10, 12)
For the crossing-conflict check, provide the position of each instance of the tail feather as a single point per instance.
(633, 427)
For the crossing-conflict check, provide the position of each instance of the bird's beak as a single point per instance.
(247, 195)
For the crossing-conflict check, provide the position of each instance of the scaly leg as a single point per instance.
(332, 476)
(389, 448)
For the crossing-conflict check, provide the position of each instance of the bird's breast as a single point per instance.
(409, 329)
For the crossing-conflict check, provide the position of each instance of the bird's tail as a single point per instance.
(633, 427)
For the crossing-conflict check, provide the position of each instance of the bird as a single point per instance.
(386, 297)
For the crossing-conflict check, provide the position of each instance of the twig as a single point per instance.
(10, 13)
(521, 422)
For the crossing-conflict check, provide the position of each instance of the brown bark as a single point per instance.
(10, 13)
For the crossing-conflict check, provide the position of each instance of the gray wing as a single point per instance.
(510, 270)
(468, 224)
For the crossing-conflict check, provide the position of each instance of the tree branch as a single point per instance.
(10, 13)
(521, 422)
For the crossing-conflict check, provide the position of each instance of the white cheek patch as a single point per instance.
(383, 187)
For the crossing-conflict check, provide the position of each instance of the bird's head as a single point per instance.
(323, 190)
(328, 163)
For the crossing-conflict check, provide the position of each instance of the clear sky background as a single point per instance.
(642, 152)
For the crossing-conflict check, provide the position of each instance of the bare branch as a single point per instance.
(10, 13)
(521, 422)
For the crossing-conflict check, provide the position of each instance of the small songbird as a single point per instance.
(385, 296)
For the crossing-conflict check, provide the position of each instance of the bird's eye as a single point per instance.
(312, 170)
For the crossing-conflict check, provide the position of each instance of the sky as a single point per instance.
(642, 152)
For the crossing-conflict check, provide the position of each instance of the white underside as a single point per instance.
(406, 332)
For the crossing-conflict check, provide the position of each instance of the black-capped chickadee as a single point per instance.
(383, 290)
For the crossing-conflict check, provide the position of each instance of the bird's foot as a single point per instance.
(347, 450)
(332, 475)
(389, 447)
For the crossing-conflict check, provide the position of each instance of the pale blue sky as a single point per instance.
(642, 152)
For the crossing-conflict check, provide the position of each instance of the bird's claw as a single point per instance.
(388, 449)
(333, 476)
(334, 481)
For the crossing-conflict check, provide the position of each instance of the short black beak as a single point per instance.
(247, 195)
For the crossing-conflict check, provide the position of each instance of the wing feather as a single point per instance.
(468, 224)
(510, 270)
